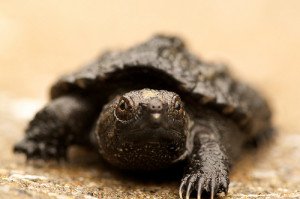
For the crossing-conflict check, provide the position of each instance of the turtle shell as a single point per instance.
(163, 62)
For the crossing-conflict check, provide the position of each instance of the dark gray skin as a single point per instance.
(158, 105)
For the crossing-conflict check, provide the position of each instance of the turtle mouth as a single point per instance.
(152, 135)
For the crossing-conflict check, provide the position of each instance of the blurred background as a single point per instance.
(40, 40)
(260, 39)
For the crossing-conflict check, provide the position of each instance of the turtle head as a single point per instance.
(144, 129)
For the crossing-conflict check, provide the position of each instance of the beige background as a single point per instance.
(39, 40)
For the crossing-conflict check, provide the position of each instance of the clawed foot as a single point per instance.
(40, 150)
(212, 184)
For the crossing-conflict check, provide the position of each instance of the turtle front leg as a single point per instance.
(207, 170)
(216, 143)
(64, 121)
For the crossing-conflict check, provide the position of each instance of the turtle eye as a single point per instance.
(177, 105)
(123, 105)
(124, 110)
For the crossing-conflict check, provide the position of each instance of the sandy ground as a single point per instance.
(40, 40)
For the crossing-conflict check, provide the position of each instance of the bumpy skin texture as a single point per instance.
(223, 113)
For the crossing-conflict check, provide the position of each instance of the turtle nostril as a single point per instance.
(155, 105)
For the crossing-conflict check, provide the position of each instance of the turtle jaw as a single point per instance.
(142, 149)
(155, 124)
(160, 140)
(158, 145)
(145, 149)
(153, 136)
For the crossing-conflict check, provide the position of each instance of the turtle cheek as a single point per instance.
(178, 120)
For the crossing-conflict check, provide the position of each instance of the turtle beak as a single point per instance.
(156, 116)
(155, 120)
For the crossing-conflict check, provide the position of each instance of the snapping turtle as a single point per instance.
(158, 105)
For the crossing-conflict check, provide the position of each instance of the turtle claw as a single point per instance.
(40, 150)
(188, 192)
(181, 189)
(212, 190)
(211, 184)
(199, 191)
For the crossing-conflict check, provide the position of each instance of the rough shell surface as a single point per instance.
(206, 83)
